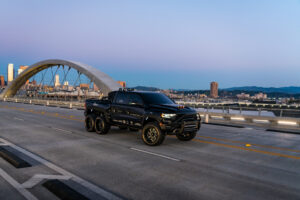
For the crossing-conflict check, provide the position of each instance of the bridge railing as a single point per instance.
(207, 117)
(51, 103)
(280, 122)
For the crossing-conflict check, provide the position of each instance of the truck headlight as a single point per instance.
(167, 115)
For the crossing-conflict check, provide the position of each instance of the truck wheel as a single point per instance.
(90, 123)
(152, 134)
(186, 136)
(101, 126)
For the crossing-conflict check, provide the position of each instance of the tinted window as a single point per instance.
(156, 98)
(121, 98)
(111, 96)
(134, 99)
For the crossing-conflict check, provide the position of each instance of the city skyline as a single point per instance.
(182, 45)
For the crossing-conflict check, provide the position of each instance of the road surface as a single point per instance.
(220, 163)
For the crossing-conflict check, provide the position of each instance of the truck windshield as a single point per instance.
(156, 98)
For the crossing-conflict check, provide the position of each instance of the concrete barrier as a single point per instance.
(280, 122)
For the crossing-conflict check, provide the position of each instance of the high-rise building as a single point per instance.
(122, 83)
(213, 89)
(56, 83)
(2, 81)
(10, 73)
(21, 69)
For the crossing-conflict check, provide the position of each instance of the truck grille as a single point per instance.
(190, 126)
(192, 117)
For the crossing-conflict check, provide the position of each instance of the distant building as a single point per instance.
(66, 83)
(84, 86)
(243, 96)
(260, 96)
(10, 73)
(21, 69)
(213, 89)
(122, 83)
(56, 83)
(202, 95)
(2, 81)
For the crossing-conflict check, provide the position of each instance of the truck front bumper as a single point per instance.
(180, 127)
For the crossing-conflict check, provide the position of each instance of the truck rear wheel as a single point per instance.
(152, 134)
(90, 123)
(101, 126)
(186, 136)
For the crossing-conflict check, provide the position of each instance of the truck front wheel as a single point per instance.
(152, 134)
(186, 136)
(101, 126)
(89, 123)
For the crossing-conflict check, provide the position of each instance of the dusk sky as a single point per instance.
(168, 44)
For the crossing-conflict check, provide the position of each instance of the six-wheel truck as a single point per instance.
(155, 114)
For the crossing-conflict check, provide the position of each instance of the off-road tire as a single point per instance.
(101, 126)
(152, 135)
(90, 123)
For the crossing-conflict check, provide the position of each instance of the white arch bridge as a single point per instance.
(100, 79)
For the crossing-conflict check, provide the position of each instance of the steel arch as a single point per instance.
(102, 80)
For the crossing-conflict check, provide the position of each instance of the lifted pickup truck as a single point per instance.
(152, 112)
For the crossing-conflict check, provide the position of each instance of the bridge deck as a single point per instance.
(221, 163)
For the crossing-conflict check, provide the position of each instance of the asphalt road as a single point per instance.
(221, 163)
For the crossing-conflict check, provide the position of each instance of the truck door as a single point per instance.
(118, 109)
(135, 109)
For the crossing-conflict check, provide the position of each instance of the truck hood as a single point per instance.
(173, 108)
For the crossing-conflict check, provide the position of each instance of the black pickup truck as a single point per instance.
(152, 112)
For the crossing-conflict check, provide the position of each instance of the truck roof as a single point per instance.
(138, 91)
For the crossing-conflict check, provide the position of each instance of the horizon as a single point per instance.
(170, 44)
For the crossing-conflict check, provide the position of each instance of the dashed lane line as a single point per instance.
(16, 118)
(63, 130)
(155, 154)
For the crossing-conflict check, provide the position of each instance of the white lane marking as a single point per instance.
(60, 170)
(249, 128)
(17, 186)
(39, 177)
(155, 154)
(18, 119)
(63, 130)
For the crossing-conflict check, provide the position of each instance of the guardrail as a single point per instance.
(207, 117)
(52, 103)
(279, 122)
